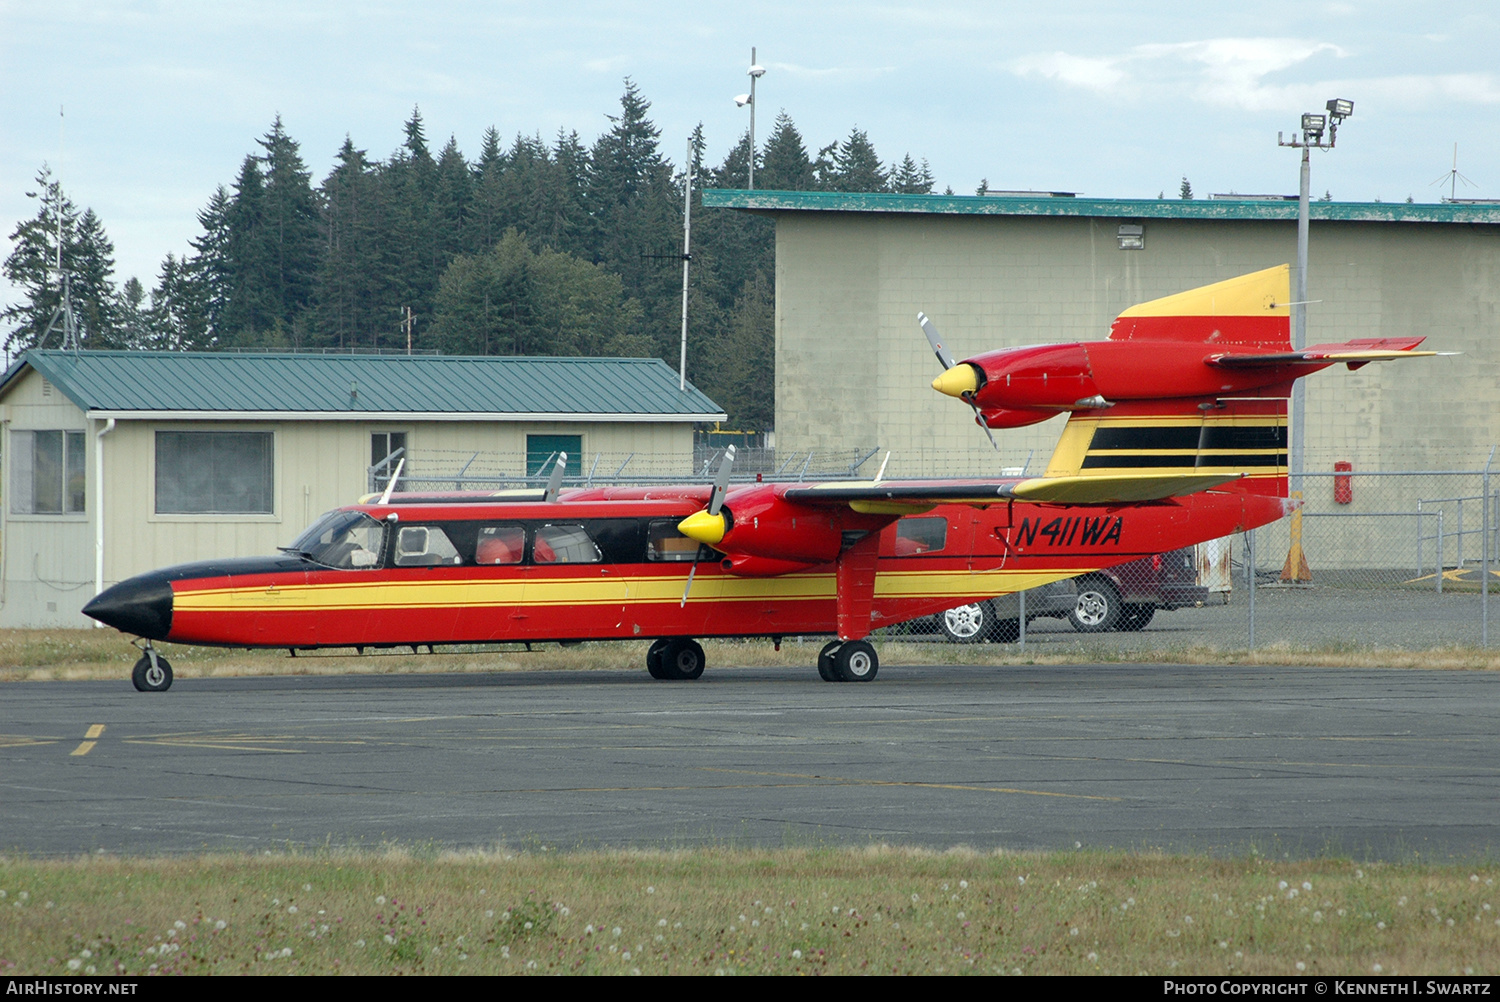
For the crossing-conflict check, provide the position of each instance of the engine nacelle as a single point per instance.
(762, 524)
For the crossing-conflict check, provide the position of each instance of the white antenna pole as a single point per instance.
(687, 256)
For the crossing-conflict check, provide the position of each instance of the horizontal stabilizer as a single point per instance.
(1357, 352)
(1117, 489)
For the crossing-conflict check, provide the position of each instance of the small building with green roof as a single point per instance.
(117, 462)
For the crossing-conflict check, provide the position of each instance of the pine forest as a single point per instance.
(537, 247)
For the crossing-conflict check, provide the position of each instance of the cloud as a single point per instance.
(1077, 71)
(1229, 72)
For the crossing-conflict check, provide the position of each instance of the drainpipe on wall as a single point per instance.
(109, 426)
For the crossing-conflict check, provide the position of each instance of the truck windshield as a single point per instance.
(343, 540)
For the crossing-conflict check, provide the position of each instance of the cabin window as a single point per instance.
(664, 543)
(47, 472)
(920, 535)
(343, 540)
(564, 544)
(424, 546)
(214, 473)
(542, 450)
(500, 544)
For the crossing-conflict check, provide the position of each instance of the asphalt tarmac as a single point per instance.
(1370, 763)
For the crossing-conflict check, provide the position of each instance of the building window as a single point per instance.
(46, 474)
(382, 444)
(214, 473)
(542, 450)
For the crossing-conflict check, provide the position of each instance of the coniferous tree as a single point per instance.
(290, 216)
(853, 165)
(177, 319)
(208, 269)
(786, 165)
(87, 259)
(908, 178)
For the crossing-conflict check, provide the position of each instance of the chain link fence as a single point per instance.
(1398, 559)
(459, 470)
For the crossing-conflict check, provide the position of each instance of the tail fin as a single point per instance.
(1182, 436)
(1251, 310)
(1195, 435)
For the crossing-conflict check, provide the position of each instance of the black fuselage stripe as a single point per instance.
(1189, 437)
(1121, 461)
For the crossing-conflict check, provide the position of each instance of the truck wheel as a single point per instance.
(1136, 617)
(1098, 609)
(967, 624)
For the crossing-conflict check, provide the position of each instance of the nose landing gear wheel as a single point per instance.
(825, 661)
(152, 673)
(855, 662)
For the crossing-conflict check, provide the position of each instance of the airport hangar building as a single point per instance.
(852, 271)
(118, 462)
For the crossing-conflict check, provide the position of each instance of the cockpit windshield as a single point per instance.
(343, 540)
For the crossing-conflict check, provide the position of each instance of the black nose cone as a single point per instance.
(141, 605)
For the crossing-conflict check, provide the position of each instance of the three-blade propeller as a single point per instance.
(554, 482)
(945, 359)
(709, 522)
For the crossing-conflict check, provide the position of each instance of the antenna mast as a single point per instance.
(62, 317)
(687, 257)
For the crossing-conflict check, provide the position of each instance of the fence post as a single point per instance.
(1439, 574)
(1022, 621)
(1250, 580)
(1420, 563)
(1484, 560)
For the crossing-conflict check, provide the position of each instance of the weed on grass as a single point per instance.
(793, 911)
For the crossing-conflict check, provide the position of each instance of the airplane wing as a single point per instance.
(901, 497)
(1360, 351)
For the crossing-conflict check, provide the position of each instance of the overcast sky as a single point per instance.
(1110, 99)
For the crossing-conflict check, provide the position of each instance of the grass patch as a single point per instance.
(53, 655)
(794, 911)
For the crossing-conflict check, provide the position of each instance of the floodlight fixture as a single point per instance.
(1340, 109)
(1313, 125)
(755, 72)
(1132, 236)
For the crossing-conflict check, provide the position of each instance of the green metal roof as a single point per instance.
(1125, 208)
(209, 384)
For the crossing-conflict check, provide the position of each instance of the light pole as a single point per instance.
(755, 72)
(1314, 128)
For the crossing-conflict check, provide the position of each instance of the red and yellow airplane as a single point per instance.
(1177, 434)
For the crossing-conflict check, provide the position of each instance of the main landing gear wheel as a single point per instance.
(825, 661)
(653, 658)
(152, 673)
(1098, 609)
(855, 661)
(681, 660)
